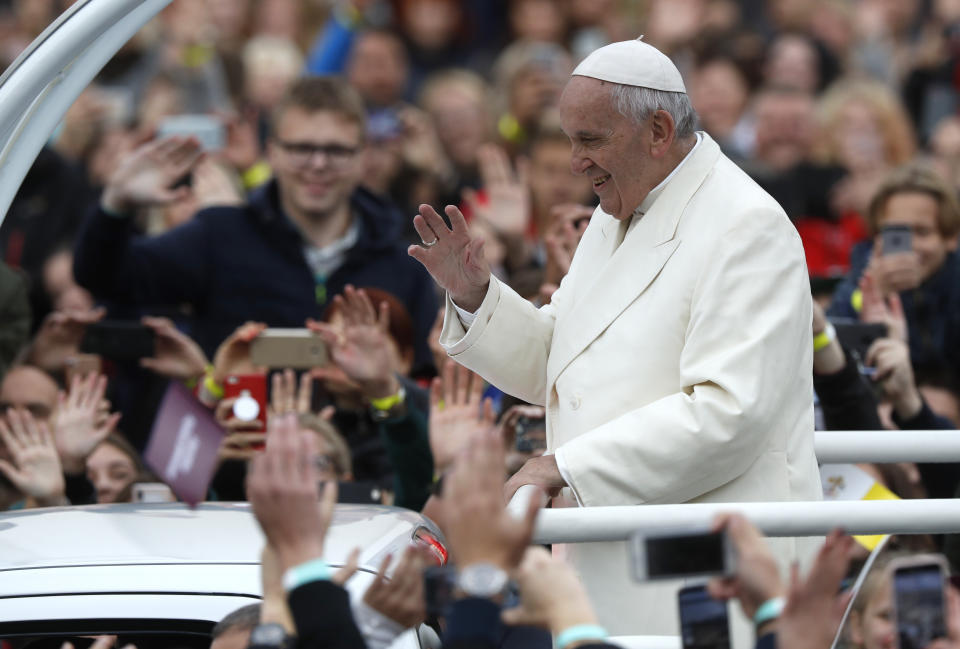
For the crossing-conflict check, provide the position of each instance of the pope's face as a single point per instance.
(608, 148)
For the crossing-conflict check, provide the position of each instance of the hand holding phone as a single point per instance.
(294, 348)
(250, 391)
(896, 239)
(119, 340)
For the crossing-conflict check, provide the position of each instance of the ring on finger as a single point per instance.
(430, 244)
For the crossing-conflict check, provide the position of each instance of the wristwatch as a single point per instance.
(482, 580)
(269, 636)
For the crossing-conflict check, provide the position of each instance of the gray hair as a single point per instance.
(244, 618)
(639, 103)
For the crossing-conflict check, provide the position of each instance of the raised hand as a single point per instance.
(243, 440)
(757, 578)
(176, 356)
(145, 177)
(282, 489)
(451, 256)
(457, 412)
(82, 421)
(507, 205)
(551, 595)
(476, 522)
(286, 396)
(813, 610)
(215, 185)
(242, 150)
(882, 309)
(59, 338)
(400, 598)
(233, 354)
(35, 469)
(569, 223)
(361, 347)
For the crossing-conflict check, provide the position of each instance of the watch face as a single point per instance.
(482, 580)
(271, 635)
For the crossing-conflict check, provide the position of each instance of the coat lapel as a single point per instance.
(626, 273)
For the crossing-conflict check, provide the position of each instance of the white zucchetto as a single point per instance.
(632, 63)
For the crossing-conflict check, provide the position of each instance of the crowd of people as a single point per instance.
(336, 122)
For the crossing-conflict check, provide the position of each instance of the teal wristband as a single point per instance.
(769, 610)
(314, 570)
(578, 633)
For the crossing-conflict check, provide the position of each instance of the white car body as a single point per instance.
(141, 567)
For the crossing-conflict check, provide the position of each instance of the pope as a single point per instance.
(675, 359)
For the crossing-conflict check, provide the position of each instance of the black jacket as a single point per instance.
(321, 613)
(233, 264)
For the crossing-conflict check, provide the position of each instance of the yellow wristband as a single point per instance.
(824, 338)
(211, 386)
(856, 300)
(386, 403)
(256, 175)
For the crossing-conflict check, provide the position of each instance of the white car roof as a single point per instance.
(165, 560)
(165, 533)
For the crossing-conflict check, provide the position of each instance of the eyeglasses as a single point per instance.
(301, 153)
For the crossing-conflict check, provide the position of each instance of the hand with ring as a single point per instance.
(451, 256)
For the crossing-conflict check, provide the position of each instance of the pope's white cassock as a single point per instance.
(674, 362)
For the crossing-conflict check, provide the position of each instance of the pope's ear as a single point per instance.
(662, 131)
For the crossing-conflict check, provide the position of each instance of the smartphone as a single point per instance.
(208, 130)
(857, 336)
(704, 623)
(897, 239)
(919, 599)
(152, 492)
(530, 434)
(384, 125)
(438, 587)
(118, 340)
(359, 493)
(250, 391)
(681, 554)
(298, 349)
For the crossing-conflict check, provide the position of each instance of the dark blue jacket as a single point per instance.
(233, 264)
(932, 310)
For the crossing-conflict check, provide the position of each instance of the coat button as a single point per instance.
(574, 401)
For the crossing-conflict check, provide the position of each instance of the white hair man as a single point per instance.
(675, 360)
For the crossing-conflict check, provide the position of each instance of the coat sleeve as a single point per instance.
(114, 264)
(745, 369)
(508, 343)
(322, 616)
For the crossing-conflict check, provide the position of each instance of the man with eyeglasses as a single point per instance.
(280, 258)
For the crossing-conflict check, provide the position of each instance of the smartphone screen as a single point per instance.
(207, 129)
(919, 602)
(897, 239)
(703, 620)
(683, 555)
(530, 434)
(118, 340)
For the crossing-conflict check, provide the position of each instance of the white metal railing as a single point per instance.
(846, 447)
(799, 518)
(47, 77)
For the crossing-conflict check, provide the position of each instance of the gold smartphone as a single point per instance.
(297, 349)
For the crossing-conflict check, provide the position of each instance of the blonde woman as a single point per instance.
(864, 127)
